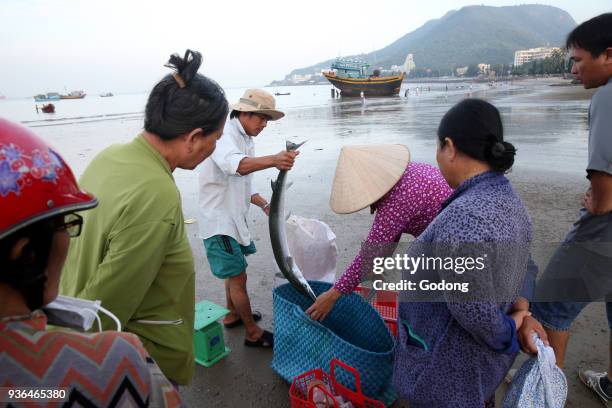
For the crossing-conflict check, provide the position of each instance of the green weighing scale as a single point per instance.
(208, 336)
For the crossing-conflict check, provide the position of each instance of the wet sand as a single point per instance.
(245, 375)
(549, 131)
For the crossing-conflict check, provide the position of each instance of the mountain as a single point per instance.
(472, 35)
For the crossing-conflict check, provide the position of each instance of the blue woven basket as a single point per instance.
(353, 332)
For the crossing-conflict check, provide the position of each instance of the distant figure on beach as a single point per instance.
(41, 206)
(406, 92)
(455, 350)
(134, 254)
(226, 194)
(36, 108)
(405, 197)
(583, 264)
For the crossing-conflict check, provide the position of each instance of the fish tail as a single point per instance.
(293, 146)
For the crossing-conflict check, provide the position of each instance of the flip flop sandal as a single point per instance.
(256, 317)
(266, 340)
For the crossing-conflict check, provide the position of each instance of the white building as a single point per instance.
(484, 69)
(300, 78)
(461, 71)
(524, 56)
(409, 64)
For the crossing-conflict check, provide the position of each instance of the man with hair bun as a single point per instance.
(581, 268)
(133, 254)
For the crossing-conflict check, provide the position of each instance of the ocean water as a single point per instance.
(548, 125)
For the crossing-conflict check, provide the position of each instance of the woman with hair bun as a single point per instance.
(453, 350)
(133, 253)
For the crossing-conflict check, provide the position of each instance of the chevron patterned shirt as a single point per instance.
(101, 369)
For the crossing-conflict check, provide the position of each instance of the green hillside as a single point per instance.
(471, 35)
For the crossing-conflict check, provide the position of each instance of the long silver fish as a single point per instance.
(278, 235)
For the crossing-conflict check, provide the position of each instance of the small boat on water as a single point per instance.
(48, 108)
(73, 95)
(49, 96)
(106, 94)
(282, 93)
(352, 78)
(2, 97)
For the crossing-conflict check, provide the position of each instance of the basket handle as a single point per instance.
(325, 391)
(335, 362)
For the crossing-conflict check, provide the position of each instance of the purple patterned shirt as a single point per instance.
(455, 353)
(408, 207)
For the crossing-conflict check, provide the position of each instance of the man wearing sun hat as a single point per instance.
(226, 194)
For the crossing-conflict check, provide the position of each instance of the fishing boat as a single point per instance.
(73, 95)
(352, 78)
(48, 108)
(106, 94)
(49, 96)
(282, 94)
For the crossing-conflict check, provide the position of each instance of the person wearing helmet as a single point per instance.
(133, 255)
(39, 203)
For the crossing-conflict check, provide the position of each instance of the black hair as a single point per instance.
(594, 35)
(173, 109)
(27, 273)
(236, 114)
(476, 129)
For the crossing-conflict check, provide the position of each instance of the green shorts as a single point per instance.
(226, 257)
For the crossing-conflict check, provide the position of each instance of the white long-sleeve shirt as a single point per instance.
(225, 195)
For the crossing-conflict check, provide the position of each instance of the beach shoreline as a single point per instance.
(548, 176)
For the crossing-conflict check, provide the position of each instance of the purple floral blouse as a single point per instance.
(408, 207)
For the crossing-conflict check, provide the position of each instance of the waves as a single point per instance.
(55, 121)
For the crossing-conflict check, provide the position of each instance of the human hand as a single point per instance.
(520, 304)
(323, 305)
(519, 316)
(284, 160)
(266, 209)
(525, 335)
(587, 201)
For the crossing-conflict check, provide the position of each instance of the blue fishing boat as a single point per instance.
(352, 78)
(50, 96)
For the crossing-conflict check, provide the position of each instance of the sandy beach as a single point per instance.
(552, 200)
(547, 124)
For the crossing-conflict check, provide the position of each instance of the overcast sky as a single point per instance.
(121, 45)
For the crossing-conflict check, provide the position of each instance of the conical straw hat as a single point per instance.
(366, 173)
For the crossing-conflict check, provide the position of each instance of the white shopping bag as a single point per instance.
(312, 245)
(539, 383)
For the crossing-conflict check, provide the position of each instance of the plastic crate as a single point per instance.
(300, 397)
(385, 302)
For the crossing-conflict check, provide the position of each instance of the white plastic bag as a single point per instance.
(539, 383)
(312, 245)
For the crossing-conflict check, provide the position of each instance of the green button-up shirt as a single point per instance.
(134, 256)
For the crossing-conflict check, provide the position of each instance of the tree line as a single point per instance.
(555, 64)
